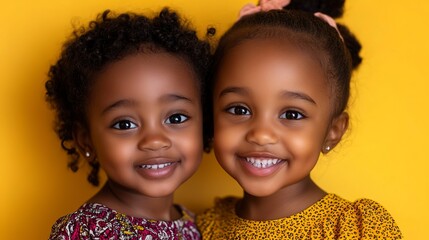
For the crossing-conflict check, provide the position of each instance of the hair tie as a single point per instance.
(263, 6)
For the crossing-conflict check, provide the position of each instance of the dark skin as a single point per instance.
(287, 202)
(273, 116)
(135, 205)
(145, 129)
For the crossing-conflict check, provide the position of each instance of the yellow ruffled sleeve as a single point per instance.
(367, 219)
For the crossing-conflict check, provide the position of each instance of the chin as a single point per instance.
(160, 191)
(260, 194)
(257, 191)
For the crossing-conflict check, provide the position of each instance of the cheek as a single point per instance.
(304, 148)
(307, 143)
(189, 143)
(112, 152)
(115, 157)
(110, 148)
(227, 137)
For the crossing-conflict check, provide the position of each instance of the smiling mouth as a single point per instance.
(262, 162)
(155, 166)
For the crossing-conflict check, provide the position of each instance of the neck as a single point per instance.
(137, 205)
(284, 203)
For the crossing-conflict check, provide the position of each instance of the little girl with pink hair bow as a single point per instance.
(280, 86)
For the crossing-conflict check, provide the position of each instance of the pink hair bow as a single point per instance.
(264, 5)
(267, 5)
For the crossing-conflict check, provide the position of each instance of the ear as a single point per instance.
(336, 131)
(82, 140)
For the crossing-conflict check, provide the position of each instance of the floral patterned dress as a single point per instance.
(96, 221)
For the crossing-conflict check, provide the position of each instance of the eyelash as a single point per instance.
(292, 115)
(169, 118)
(288, 115)
(232, 110)
(176, 118)
(129, 125)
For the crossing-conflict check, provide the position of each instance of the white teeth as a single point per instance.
(263, 162)
(155, 166)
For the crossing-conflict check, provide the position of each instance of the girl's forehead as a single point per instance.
(147, 67)
(269, 56)
(265, 66)
(145, 77)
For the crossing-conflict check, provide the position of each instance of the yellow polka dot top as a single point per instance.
(330, 218)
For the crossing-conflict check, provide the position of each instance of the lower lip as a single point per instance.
(159, 173)
(260, 172)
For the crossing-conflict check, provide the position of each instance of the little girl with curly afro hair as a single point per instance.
(127, 93)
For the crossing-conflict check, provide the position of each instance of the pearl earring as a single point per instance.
(87, 154)
(327, 148)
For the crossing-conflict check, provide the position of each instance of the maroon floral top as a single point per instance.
(96, 221)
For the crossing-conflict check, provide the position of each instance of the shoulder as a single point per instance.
(81, 223)
(376, 220)
(369, 218)
(223, 209)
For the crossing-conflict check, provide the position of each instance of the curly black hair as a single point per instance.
(107, 39)
(297, 23)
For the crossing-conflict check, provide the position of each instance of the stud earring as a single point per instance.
(327, 148)
(87, 154)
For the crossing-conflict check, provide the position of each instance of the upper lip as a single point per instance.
(156, 160)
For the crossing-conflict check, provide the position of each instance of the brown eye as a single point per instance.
(124, 125)
(176, 119)
(238, 110)
(292, 115)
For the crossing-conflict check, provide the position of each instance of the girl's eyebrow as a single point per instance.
(174, 97)
(287, 94)
(237, 90)
(297, 95)
(130, 102)
(117, 104)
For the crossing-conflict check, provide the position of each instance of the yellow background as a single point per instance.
(384, 156)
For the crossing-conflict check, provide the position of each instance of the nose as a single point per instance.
(262, 133)
(154, 140)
